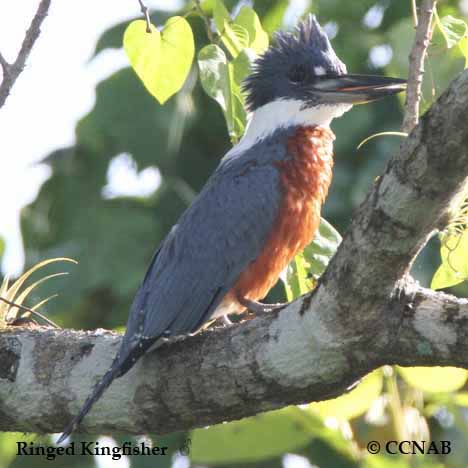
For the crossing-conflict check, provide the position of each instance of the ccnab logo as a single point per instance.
(412, 447)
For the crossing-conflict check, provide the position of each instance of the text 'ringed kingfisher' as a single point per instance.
(259, 208)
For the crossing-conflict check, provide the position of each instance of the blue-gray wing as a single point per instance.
(201, 258)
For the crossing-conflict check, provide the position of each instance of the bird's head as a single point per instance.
(301, 77)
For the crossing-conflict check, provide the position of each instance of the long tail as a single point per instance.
(100, 388)
(118, 369)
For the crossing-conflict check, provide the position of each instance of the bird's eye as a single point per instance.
(297, 74)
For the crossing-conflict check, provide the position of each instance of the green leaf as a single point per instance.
(220, 15)
(263, 436)
(258, 38)
(299, 276)
(236, 115)
(245, 31)
(161, 61)
(273, 19)
(319, 252)
(242, 65)
(434, 379)
(442, 64)
(235, 38)
(220, 81)
(453, 29)
(297, 281)
(112, 37)
(385, 461)
(461, 398)
(8, 447)
(214, 74)
(454, 267)
(352, 404)
(463, 45)
(143, 50)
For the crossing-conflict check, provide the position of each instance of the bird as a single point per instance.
(259, 208)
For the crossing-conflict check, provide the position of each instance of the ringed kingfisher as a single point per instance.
(259, 208)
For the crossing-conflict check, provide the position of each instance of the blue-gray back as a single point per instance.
(215, 239)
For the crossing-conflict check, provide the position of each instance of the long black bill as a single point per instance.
(358, 89)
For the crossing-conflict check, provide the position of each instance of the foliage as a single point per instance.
(455, 32)
(256, 438)
(434, 379)
(12, 300)
(454, 245)
(197, 74)
(162, 61)
(454, 267)
(302, 273)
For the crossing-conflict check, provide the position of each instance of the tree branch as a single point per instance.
(433, 329)
(223, 374)
(364, 313)
(416, 63)
(13, 70)
(144, 10)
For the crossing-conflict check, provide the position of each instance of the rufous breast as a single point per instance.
(305, 176)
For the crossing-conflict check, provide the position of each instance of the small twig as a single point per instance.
(145, 11)
(414, 10)
(416, 65)
(13, 70)
(205, 19)
(4, 64)
(31, 311)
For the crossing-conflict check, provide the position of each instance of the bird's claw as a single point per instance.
(257, 308)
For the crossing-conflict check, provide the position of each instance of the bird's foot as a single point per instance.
(258, 308)
(221, 321)
(224, 319)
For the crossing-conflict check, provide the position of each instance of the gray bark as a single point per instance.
(366, 312)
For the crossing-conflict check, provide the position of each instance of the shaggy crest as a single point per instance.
(306, 51)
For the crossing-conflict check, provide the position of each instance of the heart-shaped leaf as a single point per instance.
(143, 49)
(161, 60)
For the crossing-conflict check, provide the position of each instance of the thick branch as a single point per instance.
(13, 70)
(355, 321)
(404, 208)
(225, 374)
(433, 330)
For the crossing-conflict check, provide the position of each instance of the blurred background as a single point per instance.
(93, 168)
